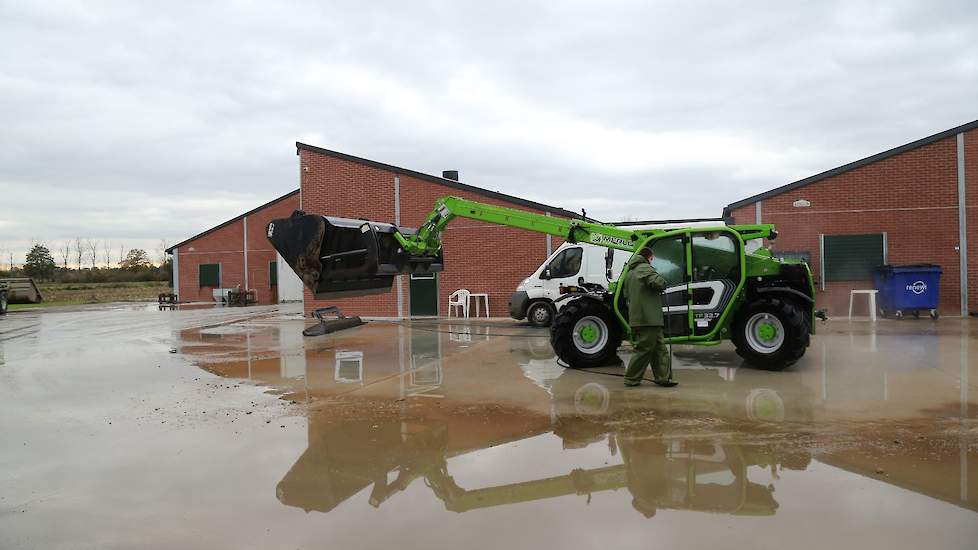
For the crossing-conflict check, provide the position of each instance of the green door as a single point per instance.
(424, 294)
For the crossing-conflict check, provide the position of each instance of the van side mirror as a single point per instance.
(545, 274)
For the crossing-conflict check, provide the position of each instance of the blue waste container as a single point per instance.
(908, 289)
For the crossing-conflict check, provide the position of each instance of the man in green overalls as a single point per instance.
(643, 293)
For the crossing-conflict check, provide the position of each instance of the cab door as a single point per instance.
(716, 274)
(670, 262)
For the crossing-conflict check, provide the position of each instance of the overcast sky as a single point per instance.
(132, 122)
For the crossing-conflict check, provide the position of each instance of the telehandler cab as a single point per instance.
(717, 291)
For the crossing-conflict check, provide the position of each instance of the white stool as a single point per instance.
(872, 302)
(479, 298)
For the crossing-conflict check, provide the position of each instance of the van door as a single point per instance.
(562, 269)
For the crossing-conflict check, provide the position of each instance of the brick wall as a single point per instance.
(260, 251)
(912, 197)
(225, 246)
(480, 257)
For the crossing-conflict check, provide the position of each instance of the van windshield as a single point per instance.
(567, 263)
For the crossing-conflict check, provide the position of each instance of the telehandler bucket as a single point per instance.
(338, 257)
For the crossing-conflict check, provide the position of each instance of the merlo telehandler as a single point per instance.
(716, 290)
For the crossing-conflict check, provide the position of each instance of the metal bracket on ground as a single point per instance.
(329, 325)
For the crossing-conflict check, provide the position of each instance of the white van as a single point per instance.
(574, 264)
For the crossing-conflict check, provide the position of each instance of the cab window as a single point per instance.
(567, 263)
(715, 257)
(670, 259)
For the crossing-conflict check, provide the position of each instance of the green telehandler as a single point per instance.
(716, 290)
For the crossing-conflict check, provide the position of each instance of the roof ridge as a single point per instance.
(232, 220)
(438, 180)
(852, 165)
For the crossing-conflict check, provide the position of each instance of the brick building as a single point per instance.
(217, 257)
(480, 257)
(908, 205)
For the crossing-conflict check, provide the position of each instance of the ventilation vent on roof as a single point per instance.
(450, 174)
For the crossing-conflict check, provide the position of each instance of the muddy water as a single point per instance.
(430, 434)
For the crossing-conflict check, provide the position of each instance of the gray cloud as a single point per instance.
(134, 122)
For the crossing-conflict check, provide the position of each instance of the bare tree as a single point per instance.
(122, 253)
(162, 250)
(107, 254)
(79, 251)
(93, 250)
(65, 252)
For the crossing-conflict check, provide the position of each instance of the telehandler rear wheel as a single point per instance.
(585, 334)
(771, 334)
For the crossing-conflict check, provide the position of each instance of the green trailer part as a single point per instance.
(717, 290)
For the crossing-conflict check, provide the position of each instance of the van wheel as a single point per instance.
(771, 334)
(585, 334)
(540, 314)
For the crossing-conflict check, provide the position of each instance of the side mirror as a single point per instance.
(545, 274)
(580, 281)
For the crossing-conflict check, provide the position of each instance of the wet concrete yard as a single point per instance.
(127, 427)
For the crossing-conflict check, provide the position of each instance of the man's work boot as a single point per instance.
(666, 383)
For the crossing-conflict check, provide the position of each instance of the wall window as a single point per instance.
(272, 273)
(852, 257)
(209, 275)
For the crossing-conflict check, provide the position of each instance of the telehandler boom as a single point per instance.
(716, 291)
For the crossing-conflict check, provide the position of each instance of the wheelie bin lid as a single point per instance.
(914, 268)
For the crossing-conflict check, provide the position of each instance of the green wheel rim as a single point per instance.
(590, 334)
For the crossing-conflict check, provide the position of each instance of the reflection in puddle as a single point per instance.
(436, 407)
(679, 471)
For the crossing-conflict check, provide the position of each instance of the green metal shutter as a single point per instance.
(272, 274)
(209, 275)
(852, 257)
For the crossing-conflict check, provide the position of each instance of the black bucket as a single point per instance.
(338, 257)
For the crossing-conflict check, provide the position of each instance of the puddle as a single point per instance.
(393, 406)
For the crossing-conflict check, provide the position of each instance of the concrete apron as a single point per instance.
(130, 427)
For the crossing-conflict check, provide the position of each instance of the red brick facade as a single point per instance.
(225, 245)
(480, 257)
(912, 196)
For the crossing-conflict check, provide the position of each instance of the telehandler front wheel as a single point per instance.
(585, 334)
(771, 334)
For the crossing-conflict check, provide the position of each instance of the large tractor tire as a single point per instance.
(771, 333)
(540, 313)
(3, 303)
(585, 334)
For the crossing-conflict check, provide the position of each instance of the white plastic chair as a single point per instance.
(459, 299)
